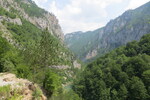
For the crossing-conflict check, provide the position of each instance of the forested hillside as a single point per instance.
(38, 62)
(123, 74)
(131, 25)
(31, 47)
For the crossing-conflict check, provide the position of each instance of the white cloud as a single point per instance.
(40, 2)
(79, 25)
(82, 15)
(136, 3)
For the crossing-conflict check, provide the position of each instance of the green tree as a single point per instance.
(132, 49)
(137, 90)
(4, 48)
(109, 80)
(114, 94)
(122, 92)
(145, 44)
(122, 74)
(146, 80)
(51, 82)
(135, 66)
(23, 71)
(48, 50)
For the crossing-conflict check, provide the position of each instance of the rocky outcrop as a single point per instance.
(23, 88)
(15, 21)
(47, 20)
(8, 36)
(60, 66)
(91, 54)
(76, 64)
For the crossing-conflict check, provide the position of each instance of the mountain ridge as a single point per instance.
(37, 16)
(131, 25)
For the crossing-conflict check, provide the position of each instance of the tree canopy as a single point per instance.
(122, 74)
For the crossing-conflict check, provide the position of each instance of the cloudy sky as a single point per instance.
(85, 15)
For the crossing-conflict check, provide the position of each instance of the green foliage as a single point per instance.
(33, 38)
(145, 44)
(146, 80)
(3, 12)
(25, 34)
(136, 66)
(66, 95)
(37, 51)
(23, 71)
(138, 89)
(51, 82)
(32, 9)
(4, 48)
(48, 49)
(37, 94)
(4, 91)
(123, 92)
(11, 60)
(122, 74)
(28, 63)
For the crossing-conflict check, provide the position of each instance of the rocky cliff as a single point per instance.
(131, 25)
(37, 16)
(13, 88)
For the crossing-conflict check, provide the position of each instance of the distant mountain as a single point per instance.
(131, 25)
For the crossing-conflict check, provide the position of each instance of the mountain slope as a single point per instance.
(22, 23)
(131, 25)
(80, 43)
(31, 46)
(35, 15)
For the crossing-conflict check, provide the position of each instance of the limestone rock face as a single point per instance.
(91, 54)
(15, 21)
(46, 20)
(76, 64)
(6, 34)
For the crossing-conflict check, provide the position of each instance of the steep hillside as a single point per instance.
(28, 10)
(131, 25)
(22, 23)
(80, 43)
(31, 46)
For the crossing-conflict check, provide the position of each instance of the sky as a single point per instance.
(86, 15)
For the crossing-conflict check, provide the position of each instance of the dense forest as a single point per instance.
(122, 74)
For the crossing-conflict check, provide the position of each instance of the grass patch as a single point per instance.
(5, 91)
